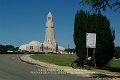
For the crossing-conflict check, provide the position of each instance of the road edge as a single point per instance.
(69, 70)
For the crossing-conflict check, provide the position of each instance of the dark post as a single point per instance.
(42, 47)
(56, 47)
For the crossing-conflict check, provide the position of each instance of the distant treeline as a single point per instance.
(70, 50)
(6, 48)
(116, 54)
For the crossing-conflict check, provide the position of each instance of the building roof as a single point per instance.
(49, 14)
(34, 43)
(23, 47)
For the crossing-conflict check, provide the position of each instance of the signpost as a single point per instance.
(91, 40)
(91, 43)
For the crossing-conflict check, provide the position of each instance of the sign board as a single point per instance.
(91, 40)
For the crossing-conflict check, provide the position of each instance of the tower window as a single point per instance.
(49, 18)
(52, 27)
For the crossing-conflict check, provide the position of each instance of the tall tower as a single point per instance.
(50, 35)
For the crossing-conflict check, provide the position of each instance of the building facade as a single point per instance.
(49, 44)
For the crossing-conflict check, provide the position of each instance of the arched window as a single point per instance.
(49, 18)
(31, 47)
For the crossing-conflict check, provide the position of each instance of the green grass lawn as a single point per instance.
(58, 59)
(114, 63)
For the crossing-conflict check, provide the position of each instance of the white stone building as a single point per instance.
(49, 44)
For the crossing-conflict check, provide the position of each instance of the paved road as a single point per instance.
(12, 68)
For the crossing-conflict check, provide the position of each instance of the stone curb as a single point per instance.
(69, 70)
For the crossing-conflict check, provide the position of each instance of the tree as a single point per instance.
(97, 5)
(9, 48)
(2, 48)
(117, 52)
(16, 48)
(70, 50)
(94, 23)
(5, 48)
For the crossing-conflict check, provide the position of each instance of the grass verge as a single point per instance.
(115, 63)
(58, 59)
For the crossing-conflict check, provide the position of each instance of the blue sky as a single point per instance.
(22, 21)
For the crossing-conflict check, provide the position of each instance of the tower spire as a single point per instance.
(50, 35)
